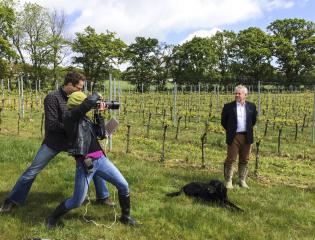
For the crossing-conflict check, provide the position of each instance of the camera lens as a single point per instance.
(112, 104)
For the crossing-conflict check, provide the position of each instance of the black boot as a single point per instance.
(53, 218)
(125, 218)
(7, 206)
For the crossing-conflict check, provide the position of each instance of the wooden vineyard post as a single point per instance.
(0, 118)
(177, 127)
(296, 131)
(128, 138)
(279, 140)
(203, 142)
(18, 123)
(266, 127)
(163, 143)
(304, 120)
(164, 114)
(257, 163)
(149, 125)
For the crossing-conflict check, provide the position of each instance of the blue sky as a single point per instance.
(301, 9)
(175, 21)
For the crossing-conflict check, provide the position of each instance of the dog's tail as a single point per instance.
(233, 207)
(174, 194)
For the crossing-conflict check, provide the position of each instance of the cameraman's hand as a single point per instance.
(102, 106)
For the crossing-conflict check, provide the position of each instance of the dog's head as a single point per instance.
(220, 189)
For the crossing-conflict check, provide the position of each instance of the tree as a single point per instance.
(7, 18)
(30, 37)
(143, 59)
(294, 47)
(224, 44)
(194, 61)
(163, 65)
(99, 54)
(57, 41)
(254, 54)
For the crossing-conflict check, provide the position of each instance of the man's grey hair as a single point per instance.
(242, 88)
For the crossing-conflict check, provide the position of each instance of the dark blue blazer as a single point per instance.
(229, 120)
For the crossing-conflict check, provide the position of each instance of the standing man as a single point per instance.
(238, 118)
(55, 141)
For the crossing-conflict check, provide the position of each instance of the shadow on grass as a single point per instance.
(36, 207)
(40, 204)
(310, 189)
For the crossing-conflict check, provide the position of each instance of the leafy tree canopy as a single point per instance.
(98, 54)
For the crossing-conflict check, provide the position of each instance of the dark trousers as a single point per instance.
(238, 147)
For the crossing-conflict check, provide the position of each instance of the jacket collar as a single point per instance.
(234, 109)
(63, 93)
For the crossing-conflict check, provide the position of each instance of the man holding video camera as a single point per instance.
(55, 141)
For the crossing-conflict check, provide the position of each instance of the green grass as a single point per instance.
(280, 203)
(272, 211)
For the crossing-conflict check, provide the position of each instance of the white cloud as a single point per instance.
(201, 33)
(273, 4)
(131, 18)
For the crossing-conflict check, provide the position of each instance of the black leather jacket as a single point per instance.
(79, 129)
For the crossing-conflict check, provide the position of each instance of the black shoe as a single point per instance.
(51, 222)
(105, 201)
(52, 219)
(128, 220)
(7, 206)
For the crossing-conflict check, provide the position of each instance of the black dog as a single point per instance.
(213, 191)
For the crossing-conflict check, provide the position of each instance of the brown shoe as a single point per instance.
(105, 201)
(7, 206)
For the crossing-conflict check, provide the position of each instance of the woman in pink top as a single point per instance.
(90, 158)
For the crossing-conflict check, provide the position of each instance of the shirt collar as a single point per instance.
(239, 104)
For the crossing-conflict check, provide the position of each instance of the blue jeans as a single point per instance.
(22, 187)
(103, 168)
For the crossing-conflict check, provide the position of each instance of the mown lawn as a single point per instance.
(280, 203)
(273, 210)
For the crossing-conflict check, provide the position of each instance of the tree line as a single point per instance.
(34, 42)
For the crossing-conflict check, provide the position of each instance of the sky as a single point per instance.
(176, 21)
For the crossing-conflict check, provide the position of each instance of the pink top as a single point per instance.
(96, 154)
